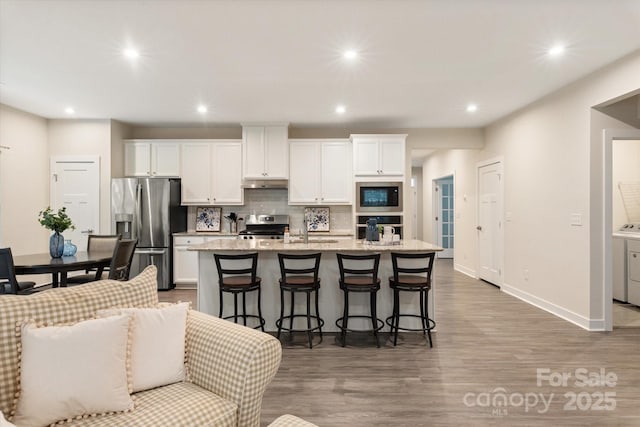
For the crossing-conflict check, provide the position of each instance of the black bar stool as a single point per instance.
(237, 276)
(362, 276)
(411, 279)
(299, 273)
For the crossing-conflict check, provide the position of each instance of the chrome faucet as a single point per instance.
(305, 230)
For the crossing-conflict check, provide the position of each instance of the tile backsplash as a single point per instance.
(274, 201)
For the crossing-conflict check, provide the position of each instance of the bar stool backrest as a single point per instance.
(236, 265)
(299, 264)
(362, 265)
(408, 263)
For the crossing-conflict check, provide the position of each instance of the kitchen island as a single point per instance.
(331, 297)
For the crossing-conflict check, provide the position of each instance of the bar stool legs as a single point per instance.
(299, 274)
(307, 316)
(359, 273)
(238, 280)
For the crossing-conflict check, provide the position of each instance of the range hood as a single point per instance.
(265, 183)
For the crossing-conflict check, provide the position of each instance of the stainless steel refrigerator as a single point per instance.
(148, 209)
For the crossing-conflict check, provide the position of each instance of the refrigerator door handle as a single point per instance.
(150, 252)
(138, 211)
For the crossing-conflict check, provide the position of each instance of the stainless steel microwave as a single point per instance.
(379, 196)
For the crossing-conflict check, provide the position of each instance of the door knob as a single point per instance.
(90, 230)
(479, 228)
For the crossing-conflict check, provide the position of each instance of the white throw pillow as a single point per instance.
(158, 344)
(4, 422)
(70, 371)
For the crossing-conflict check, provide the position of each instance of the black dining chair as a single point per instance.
(8, 282)
(95, 243)
(120, 266)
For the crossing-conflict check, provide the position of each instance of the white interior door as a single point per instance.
(75, 184)
(489, 226)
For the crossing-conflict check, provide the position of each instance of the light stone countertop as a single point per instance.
(204, 233)
(337, 233)
(338, 245)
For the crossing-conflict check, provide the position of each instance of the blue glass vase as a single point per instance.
(69, 248)
(56, 245)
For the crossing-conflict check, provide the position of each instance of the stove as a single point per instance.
(264, 227)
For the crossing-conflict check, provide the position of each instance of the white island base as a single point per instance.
(330, 296)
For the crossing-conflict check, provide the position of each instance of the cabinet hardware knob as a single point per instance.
(479, 228)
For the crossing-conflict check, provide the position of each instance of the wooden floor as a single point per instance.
(488, 345)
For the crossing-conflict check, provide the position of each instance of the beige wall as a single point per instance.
(143, 132)
(119, 132)
(24, 172)
(551, 167)
(91, 138)
(462, 165)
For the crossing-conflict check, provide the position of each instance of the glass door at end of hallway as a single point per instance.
(445, 216)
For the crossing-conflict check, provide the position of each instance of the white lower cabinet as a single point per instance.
(185, 262)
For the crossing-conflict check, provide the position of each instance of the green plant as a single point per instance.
(55, 222)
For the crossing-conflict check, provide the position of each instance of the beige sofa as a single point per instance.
(229, 366)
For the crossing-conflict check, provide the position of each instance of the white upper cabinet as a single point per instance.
(320, 172)
(378, 155)
(196, 165)
(304, 172)
(152, 158)
(212, 173)
(226, 173)
(265, 154)
(335, 172)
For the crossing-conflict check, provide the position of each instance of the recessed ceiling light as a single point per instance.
(350, 54)
(202, 109)
(69, 110)
(556, 50)
(341, 109)
(131, 53)
(472, 108)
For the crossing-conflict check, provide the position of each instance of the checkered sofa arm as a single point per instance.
(290, 421)
(232, 361)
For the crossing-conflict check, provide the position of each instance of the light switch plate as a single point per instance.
(576, 219)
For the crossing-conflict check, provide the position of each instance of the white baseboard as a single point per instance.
(563, 313)
(465, 270)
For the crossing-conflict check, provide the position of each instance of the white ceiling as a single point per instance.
(420, 63)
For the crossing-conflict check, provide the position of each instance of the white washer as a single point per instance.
(633, 271)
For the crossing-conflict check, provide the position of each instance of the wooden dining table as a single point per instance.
(42, 263)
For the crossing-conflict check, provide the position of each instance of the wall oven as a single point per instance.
(393, 220)
(379, 196)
